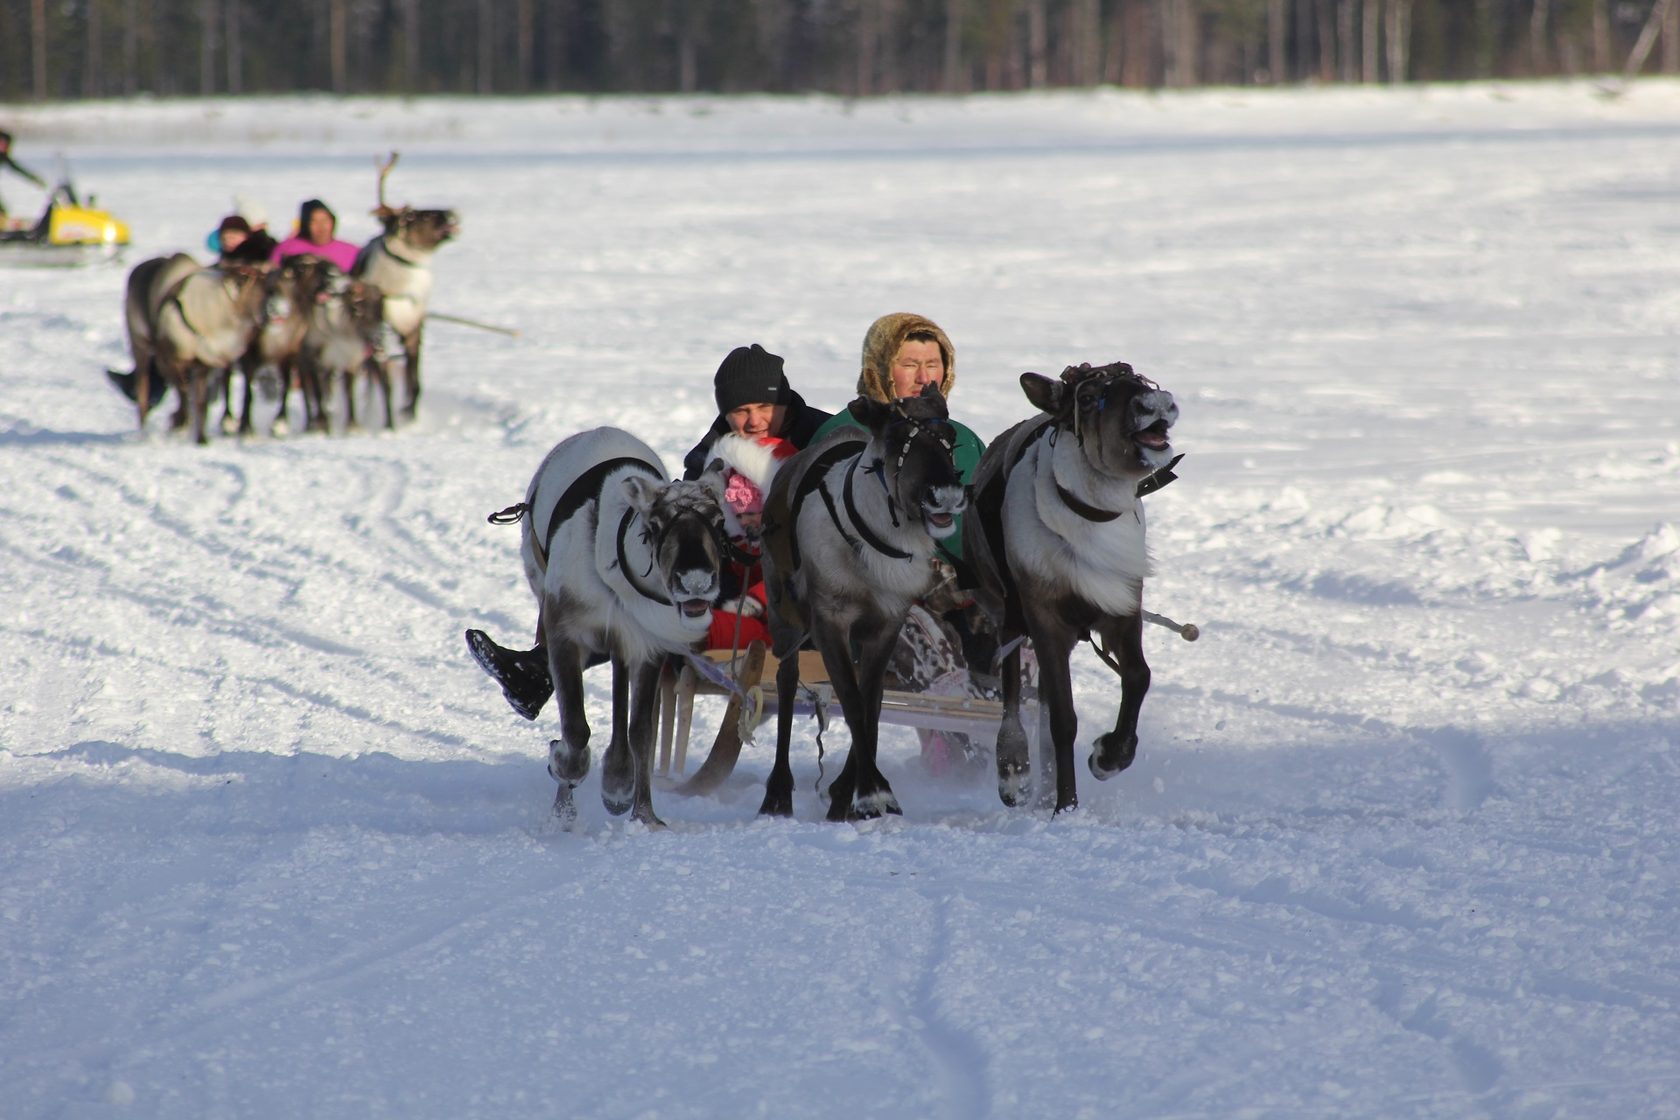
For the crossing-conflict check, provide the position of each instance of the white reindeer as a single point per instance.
(1056, 538)
(625, 564)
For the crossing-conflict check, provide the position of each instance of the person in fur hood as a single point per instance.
(903, 352)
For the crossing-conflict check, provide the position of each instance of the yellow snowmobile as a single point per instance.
(68, 232)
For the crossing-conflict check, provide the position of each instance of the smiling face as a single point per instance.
(1121, 420)
(756, 420)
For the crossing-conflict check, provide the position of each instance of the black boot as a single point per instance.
(522, 673)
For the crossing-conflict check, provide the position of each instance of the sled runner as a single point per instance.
(739, 675)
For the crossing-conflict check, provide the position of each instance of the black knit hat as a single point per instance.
(750, 375)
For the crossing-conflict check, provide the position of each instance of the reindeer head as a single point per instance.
(682, 524)
(910, 451)
(1120, 418)
(423, 229)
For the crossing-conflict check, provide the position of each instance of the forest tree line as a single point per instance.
(64, 49)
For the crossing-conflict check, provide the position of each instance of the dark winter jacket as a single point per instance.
(799, 427)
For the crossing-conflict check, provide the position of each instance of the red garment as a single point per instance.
(722, 634)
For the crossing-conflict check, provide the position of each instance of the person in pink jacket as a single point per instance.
(316, 225)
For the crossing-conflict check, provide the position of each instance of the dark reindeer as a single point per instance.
(274, 347)
(204, 325)
(341, 335)
(149, 284)
(1056, 538)
(626, 564)
(849, 531)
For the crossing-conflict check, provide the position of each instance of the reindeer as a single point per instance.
(844, 571)
(205, 324)
(399, 263)
(342, 323)
(274, 347)
(1057, 542)
(623, 563)
(149, 283)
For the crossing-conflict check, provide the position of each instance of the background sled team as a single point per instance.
(309, 312)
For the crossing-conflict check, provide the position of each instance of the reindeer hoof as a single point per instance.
(567, 765)
(1113, 754)
(871, 806)
(1013, 784)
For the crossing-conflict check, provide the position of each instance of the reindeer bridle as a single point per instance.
(1087, 393)
(686, 506)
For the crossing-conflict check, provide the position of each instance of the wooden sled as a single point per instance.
(748, 678)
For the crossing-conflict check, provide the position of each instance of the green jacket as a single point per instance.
(965, 456)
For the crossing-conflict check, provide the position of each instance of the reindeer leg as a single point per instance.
(198, 378)
(1013, 765)
(282, 424)
(568, 756)
(644, 697)
(778, 788)
(382, 376)
(1115, 751)
(871, 795)
(143, 392)
(229, 424)
(351, 424)
(1054, 644)
(411, 375)
(618, 764)
(249, 369)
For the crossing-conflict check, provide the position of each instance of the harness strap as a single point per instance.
(858, 522)
(385, 244)
(1159, 479)
(624, 561)
(586, 488)
(1082, 508)
(811, 480)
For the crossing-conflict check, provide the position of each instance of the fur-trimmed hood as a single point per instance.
(885, 336)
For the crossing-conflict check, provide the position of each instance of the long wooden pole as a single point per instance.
(442, 318)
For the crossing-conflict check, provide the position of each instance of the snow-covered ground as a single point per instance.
(1401, 838)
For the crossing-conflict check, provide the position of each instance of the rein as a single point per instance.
(385, 244)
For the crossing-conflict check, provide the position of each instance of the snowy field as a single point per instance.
(1400, 841)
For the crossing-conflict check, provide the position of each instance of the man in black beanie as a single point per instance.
(753, 399)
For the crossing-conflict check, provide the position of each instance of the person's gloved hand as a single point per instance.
(946, 596)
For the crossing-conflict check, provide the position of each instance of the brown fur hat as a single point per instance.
(885, 336)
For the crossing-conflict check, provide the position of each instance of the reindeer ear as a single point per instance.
(1045, 393)
(640, 491)
(712, 480)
